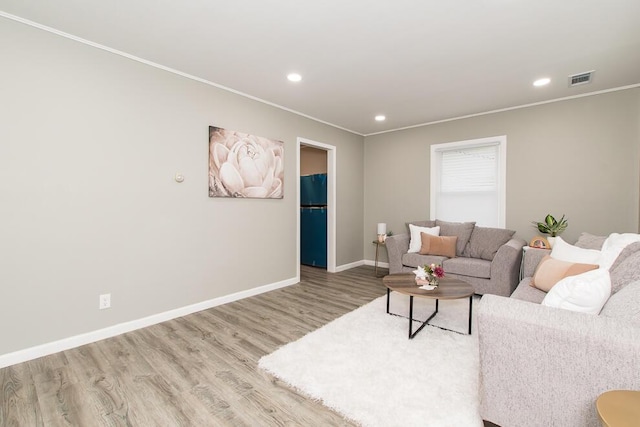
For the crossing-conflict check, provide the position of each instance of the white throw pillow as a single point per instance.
(587, 292)
(416, 241)
(567, 252)
(614, 245)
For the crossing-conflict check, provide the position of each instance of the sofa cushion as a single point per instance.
(550, 271)
(526, 292)
(590, 241)
(628, 269)
(438, 245)
(626, 252)
(416, 241)
(625, 303)
(585, 293)
(567, 252)
(472, 267)
(462, 230)
(416, 260)
(485, 242)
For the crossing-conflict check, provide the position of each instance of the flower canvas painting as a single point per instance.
(245, 166)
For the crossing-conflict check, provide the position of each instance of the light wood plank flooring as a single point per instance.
(197, 370)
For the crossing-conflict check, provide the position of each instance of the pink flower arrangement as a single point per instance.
(429, 274)
(435, 270)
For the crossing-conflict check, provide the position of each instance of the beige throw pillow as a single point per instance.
(438, 245)
(550, 271)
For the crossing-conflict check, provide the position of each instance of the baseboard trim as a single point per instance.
(380, 263)
(121, 328)
(349, 266)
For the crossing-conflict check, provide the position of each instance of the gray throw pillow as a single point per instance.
(626, 253)
(590, 241)
(625, 269)
(485, 242)
(426, 223)
(462, 230)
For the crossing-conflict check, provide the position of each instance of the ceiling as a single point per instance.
(415, 61)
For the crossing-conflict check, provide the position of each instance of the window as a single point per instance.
(468, 181)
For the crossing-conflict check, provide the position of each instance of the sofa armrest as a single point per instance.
(505, 267)
(542, 366)
(532, 257)
(397, 245)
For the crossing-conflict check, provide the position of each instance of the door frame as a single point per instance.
(331, 201)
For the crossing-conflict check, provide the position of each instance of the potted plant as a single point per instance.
(551, 226)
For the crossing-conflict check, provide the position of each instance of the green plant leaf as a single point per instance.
(550, 220)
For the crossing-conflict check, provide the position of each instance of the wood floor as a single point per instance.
(197, 370)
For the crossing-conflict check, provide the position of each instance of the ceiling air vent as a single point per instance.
(581, 79)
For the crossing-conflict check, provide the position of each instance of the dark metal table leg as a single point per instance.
(412, 334)
(470, 312)
(377, 248)
(410, 315)
(388, 295)
(422, 324)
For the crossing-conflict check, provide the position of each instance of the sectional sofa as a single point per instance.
(546, 366)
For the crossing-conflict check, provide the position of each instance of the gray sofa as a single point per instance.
(488, 259)
(544, 366)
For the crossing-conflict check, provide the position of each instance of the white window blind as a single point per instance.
(469, 169)
(467, 181)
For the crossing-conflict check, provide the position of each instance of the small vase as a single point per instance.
(433, 280)
(551, 241)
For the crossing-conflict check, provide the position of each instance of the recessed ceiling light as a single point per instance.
(380, 118)
(294, 77)
(542, 82)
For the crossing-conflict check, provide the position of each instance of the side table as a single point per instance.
(619, 408)
(378, 244)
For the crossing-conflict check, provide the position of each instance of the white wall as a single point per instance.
(89, 144)
(577, 157)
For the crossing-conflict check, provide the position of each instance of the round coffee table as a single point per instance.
(449, 288)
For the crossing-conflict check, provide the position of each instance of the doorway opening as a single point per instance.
(317, 158)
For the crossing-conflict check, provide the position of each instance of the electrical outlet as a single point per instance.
(105, 301)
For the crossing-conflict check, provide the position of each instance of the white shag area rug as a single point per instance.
(363, 366)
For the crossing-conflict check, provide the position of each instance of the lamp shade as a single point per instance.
(382, 228)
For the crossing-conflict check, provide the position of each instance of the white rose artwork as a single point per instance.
(243, 165)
